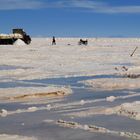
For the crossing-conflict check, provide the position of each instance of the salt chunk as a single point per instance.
(18, 111)
(82, 102)
(127, 105)
(122, 134)
(110, 98)
(32, 109)
(137, 102)
(138, 116)
(22, 124)
(48, 107)
(3, 113)
(86, 127)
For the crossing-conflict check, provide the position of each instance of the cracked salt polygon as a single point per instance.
(19, 42)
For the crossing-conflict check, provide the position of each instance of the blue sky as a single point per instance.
(72, 18)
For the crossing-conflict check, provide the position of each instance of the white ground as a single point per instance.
(15, 137)
(102, 56)
(113, 83)
(41, 59)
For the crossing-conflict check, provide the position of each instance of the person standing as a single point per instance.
(53, 41)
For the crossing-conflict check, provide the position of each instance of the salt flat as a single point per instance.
(98, 79)
(41, 59)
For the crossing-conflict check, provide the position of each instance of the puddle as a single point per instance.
(79, 89)
(72, 81)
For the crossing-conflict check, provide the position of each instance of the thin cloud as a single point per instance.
(100, 7)
(122, 9)
(20, 4)
(76, 4)
(96, 6)
(89, 5)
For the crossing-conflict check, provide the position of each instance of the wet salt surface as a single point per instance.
(80, 90)
(72, 81)
(17, 84)
(13, 106)
(31, 123)
(47, 131)
(9, 67)
(112, 122)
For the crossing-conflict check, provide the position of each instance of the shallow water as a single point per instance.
(72, 81)
(10, 67)
(31, 123)
(17, 84)
(7, 67)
